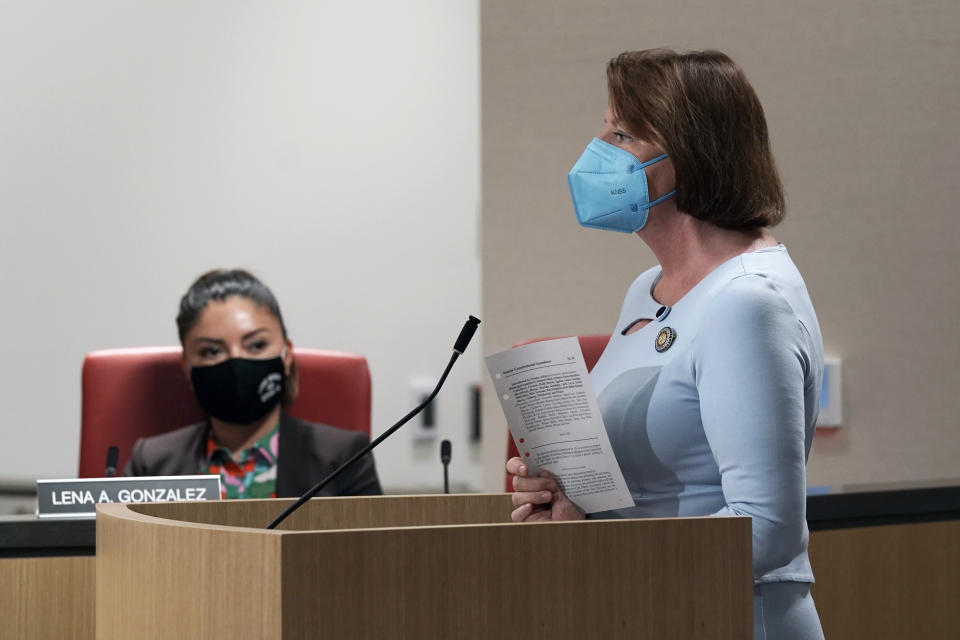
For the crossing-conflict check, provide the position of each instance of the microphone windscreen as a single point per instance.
(445, 448)
(466, 334)
(113, 456)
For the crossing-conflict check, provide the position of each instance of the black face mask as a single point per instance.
(239, 390)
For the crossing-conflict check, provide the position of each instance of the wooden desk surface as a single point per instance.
(895, 582)
(892, 581)
(45, 598)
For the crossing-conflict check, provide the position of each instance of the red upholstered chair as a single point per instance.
(134, 393)
(592, 347)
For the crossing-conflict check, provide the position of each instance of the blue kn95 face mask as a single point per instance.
(609, 188)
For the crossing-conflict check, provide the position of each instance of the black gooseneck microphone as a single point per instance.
(445, 459)
(113, 455)
(469, 328)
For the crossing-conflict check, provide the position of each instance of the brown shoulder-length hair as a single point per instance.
(701, 110)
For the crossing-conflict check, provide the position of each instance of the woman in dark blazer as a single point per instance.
(240, 363)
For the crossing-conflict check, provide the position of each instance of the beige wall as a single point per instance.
(862, 102)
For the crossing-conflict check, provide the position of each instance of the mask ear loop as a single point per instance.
(661, 199)
(646, 164)
(651, 161)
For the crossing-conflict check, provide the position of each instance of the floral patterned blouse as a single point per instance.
(252, 473)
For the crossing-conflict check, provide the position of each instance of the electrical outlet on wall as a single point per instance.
(831, 395)
(473, 416)
(424, 426)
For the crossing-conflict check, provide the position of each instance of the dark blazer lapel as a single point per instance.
(290, 445)
(193, 464)
(308, 452)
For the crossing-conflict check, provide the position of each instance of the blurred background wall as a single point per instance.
(331, 148)
(334, 149)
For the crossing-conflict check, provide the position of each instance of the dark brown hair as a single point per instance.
(221, 284)
(701, 110)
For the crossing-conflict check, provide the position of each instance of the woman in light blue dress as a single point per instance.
(709, 387)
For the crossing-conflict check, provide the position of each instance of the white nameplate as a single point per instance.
(78, 498)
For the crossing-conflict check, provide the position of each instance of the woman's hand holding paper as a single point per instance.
(538, 498)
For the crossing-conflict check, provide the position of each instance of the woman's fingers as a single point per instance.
(540, 515)
(531, 497)
(528, 513)
(520, 513)
(565, 509)
(534, 484)
(538, 498)
(516, 467)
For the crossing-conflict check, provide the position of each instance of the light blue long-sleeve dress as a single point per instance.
(711, 409)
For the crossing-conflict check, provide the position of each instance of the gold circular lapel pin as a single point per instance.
(665, 339)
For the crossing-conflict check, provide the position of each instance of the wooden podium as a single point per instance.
(419, 567)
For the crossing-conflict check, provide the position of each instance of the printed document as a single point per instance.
(552, 411)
